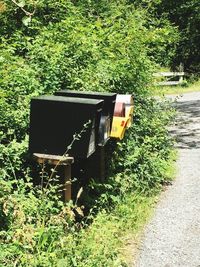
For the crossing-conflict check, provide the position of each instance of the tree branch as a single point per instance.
(29, 14)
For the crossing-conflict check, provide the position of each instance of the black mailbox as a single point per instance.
(107, 112)
(55, 119)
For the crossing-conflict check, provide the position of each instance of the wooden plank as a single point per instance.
(170, 83)
(168, 74)
(53, 159)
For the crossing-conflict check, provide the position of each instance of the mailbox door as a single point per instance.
(104, 130)
(118, 127)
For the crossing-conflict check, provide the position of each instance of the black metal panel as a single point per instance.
(55, 119)
(107, 113)
(109, 98)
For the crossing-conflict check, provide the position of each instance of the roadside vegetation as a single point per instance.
(82, 45)
(176, 90)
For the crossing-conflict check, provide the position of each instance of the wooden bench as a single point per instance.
(170, 75)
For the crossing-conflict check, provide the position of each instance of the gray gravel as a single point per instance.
(172, 238)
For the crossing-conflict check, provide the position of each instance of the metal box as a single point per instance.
(119, 127)
(123, 116)
(107, 112)
(55, 119)
(128, 101)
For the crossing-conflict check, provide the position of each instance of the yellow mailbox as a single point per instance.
(129, 114)
(119, 126)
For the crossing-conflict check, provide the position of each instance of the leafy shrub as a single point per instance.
(143, 155)
(187, 18)
(86, 45)
(105, 53)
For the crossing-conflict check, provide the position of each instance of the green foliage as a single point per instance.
(141, 162)
(162, 41)
(177, 90)
(186, 16)
(41, 231)
(84, 45)
(19, 84)
(33, 223)
(147, 149)
(162, 35)
(79, 51)
(70, 51)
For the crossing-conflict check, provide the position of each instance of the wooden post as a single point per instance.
(56, 160)
(67, 183)
(102, 163)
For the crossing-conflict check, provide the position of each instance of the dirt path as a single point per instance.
(172, 238)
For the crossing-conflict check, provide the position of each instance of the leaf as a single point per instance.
(26, 20)
(79, 192)
(2, 59)
(21, 3)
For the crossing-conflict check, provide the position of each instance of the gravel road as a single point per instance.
(172, 238)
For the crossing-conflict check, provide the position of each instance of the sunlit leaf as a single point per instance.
(26, 20)
(21, 3)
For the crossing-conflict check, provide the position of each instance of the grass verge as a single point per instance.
(173, 90)
(114, 236)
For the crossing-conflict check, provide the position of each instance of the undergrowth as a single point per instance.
(38, 229)
(177, 90)
(80, 45)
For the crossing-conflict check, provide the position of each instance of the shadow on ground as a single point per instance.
(187, 125)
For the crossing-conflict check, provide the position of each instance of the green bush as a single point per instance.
(146, 150)
(105, 53)
(185, 16)
(82, 45)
